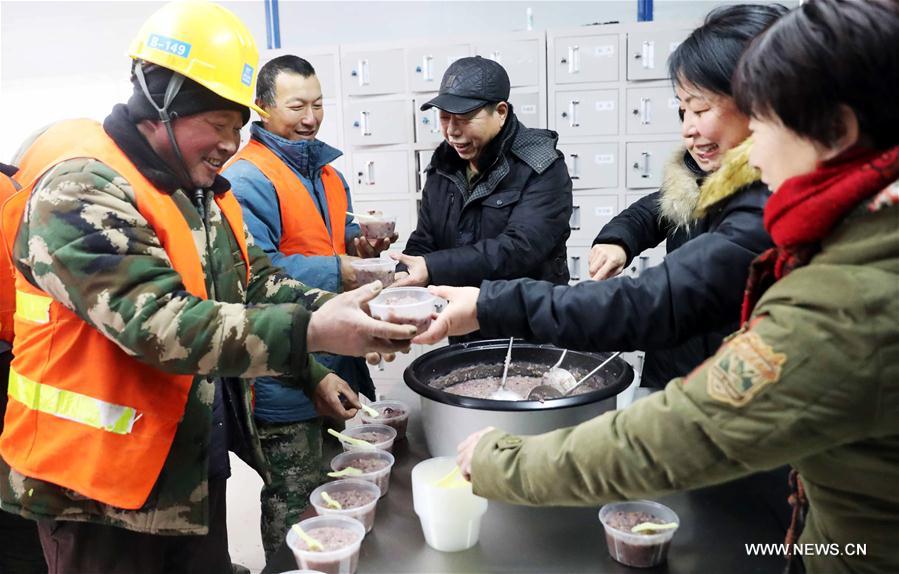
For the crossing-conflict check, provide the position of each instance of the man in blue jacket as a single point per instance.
(295, 206)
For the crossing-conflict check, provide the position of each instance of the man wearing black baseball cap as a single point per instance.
(497, 199)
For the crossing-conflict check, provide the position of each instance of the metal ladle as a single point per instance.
(503, 394)
(544, 392)
(557, 377)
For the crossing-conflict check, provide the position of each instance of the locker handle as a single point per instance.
(574, 264)
(364, 73)
(572, 113)
(574, 171)
(645, 111)
(574, 59)
(370, 172)
(644, 169)
(496, 56)
(364, 125)
(435, 121)
(428, 68)
(575, 222)
(648, 55)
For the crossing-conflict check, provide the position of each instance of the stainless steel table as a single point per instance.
(716, 523)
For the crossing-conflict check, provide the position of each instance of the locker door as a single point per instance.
(589, 214)
(521, 59)
(381, 122)
(379, 173)
(586, 59)
(424, 159)
(578, 262)
(326, 71)
(425, 65)
(645, 162)
(586, 113)
(652, 111)
(647, 53)
(591, 165)
(650, 257)
(373, 72)
(529, 107)
(427, 123)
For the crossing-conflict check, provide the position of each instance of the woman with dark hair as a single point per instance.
(812, 377)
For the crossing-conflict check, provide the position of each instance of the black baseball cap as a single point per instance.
(470, 83)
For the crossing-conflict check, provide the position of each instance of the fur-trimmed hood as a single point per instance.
(683, 201)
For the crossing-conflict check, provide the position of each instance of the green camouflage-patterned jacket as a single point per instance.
(83, 242)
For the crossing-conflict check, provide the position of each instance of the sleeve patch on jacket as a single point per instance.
(747, 365)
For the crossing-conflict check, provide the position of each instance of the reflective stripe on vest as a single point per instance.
(70, 405)
(84, 414)
(303, 230)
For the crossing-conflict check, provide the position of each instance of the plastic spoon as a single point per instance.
(311, 542)
(452, 479)
(331, 502)
(348, 471)
(370, 411)
(543, 392)
(501, 394)
(350, 440)
(362, 215)
(652, 527)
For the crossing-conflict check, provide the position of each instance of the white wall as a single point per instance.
(68, 59)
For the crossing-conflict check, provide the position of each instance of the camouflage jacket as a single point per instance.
(83, 241)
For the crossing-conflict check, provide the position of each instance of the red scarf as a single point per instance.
(806, 208)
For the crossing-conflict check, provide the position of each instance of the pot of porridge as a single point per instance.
(456, 382)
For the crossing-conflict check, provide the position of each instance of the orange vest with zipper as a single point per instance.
(303, 230)
(7, 291)
(82, 413)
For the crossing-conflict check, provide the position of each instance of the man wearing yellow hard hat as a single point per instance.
(142, 307)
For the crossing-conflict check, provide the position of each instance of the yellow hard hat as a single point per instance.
(206, 43)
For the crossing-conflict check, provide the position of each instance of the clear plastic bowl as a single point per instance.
(398, 417)
(633, 549)
(374, 269)
(405, 306)
(379, 477)
(364, 513)
(377, 226)
(343, 560)
(361, 431)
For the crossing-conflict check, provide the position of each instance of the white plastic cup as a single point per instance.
(405, 306)
(339, 561)
(633, 549)
(398, 420)
(450, 517)
(377, 226)
(374, 269)
(380, 477)
(355, 432)
(364, 513)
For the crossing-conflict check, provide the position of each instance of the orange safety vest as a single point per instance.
(7, 291)
(303, 230)
(82, 413)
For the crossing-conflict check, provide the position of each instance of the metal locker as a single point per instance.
(652, 111)
(425, 65)
(379, 172)
(521, 59)
(586, 59)
(326, 70)
(377, 122)
(424, 159)
(373, 72)
(647, 53)
(529, 107)
(578, 262)
(586, 113)
(402, 209)
(591, 166)
(645, 162)
(427, 123)
(589, 213)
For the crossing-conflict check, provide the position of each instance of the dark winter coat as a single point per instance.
(511, 222)
(678, 311)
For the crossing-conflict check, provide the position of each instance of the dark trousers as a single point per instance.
(20, 547)
(86, 548)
